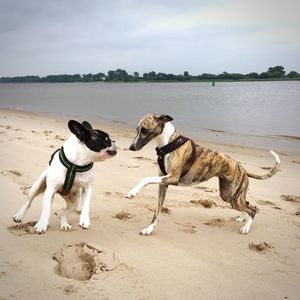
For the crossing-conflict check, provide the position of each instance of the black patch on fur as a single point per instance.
(96, 140)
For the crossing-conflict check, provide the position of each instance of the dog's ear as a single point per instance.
(165, 118)
(87, 125)
(77, 129)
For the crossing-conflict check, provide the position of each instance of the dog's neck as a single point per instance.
(75, 151)
(168, 134)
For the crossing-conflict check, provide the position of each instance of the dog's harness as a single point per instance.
(71, 170)
(172, 146)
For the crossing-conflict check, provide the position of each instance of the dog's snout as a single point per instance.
(132, 147)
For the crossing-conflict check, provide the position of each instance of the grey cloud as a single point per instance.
(43, 37)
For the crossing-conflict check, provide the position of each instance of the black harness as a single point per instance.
(71, 170)
(172, 146)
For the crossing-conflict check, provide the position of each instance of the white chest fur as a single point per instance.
(164, 138)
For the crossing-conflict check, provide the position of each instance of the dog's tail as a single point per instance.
(38, 186)
(274, 170)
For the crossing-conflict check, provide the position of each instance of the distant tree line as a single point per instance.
(273, 73)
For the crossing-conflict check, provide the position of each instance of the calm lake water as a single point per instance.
(258, 114)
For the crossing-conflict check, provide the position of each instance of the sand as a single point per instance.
(196, 251)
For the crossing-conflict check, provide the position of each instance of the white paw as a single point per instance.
(40, 227)
(132, 193)
(17, 219)
(148, 230)
(19, 216)
(65, 226)
(245, 229)
(84, 222)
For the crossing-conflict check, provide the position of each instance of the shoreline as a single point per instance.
(214, 137)
(157, 81)
(195, 249)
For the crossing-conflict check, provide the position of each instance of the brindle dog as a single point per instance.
(188, 165)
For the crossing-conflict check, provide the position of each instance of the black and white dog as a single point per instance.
(69, 173)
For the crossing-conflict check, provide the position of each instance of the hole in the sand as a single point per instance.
(14, 172)
(187, 228)
(22, 228)
(69, 289)
(164, 210)
(123, 215)
(2, 274)
(265, 202)
(290, 198)
(261, 247)
(82, 261)
(205, 203)
(215, 222)
(268, 203)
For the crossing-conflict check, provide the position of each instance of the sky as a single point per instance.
(42, 37)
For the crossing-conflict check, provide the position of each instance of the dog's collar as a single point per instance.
(172, 146)
(71, 170)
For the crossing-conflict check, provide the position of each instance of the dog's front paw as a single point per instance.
(19, 216)
(17, 219)
(132, 193)
(244, 230)
(148, 230)
(40, 227)
(84, 222)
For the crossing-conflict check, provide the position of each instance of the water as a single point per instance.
(258, 114)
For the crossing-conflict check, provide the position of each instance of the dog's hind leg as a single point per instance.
(224, 187)
(162, 190)
(225, 195)
(42, 224)
(38, 187)
(246, 210)
(238, 202)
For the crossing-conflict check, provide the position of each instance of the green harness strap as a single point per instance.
(71, 170)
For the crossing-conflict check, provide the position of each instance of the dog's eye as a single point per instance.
(144, 130)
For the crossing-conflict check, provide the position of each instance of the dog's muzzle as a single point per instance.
(132, 147)
(112, 151)
(138, 144)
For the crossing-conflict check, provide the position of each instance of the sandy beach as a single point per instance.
(196, 252)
